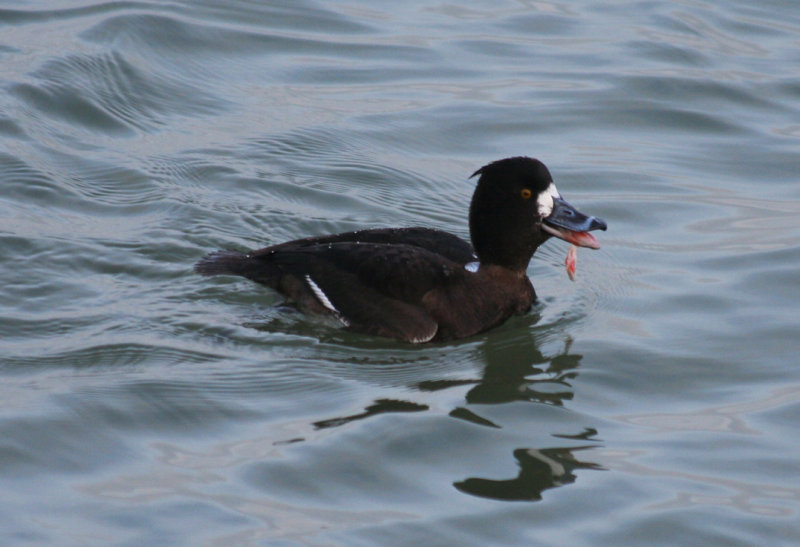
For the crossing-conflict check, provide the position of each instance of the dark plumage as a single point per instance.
(420, 284)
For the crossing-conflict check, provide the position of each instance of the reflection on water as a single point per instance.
(381, 406)
(515, 371)
(540, 469)
(518, 371)
(521, 372)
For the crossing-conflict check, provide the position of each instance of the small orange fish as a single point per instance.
(571, 262)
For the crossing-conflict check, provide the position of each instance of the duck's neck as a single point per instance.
(497, 236)
(495, 250)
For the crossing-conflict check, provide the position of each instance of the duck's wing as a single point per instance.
(374, 288)
(317, 287)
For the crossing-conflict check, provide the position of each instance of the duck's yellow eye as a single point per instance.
(526, 193)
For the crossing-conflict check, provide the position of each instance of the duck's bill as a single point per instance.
(581, 239)
(569, 224)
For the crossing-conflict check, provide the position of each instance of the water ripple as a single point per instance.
(107, 93)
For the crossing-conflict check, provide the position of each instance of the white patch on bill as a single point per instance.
(544, 203)
(324, 300)
(472, 266)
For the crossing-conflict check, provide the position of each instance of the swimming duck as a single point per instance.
(420, 284)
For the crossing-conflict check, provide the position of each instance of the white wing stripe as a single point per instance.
(320, 294)
(324, 300)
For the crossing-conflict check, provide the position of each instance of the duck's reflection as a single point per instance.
(518, 372)
(515, 370)
(381, 406)
(539, 469)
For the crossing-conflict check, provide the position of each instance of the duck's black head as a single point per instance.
(516, 208)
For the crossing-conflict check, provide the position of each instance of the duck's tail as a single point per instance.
(222, 263)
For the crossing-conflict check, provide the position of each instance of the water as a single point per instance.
(655, 400)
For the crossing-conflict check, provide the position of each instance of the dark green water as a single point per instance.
(655, 400)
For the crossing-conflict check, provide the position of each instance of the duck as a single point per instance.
(418, 284)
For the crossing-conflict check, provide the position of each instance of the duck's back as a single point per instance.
(436, 241)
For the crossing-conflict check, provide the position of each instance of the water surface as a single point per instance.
(656, 399)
